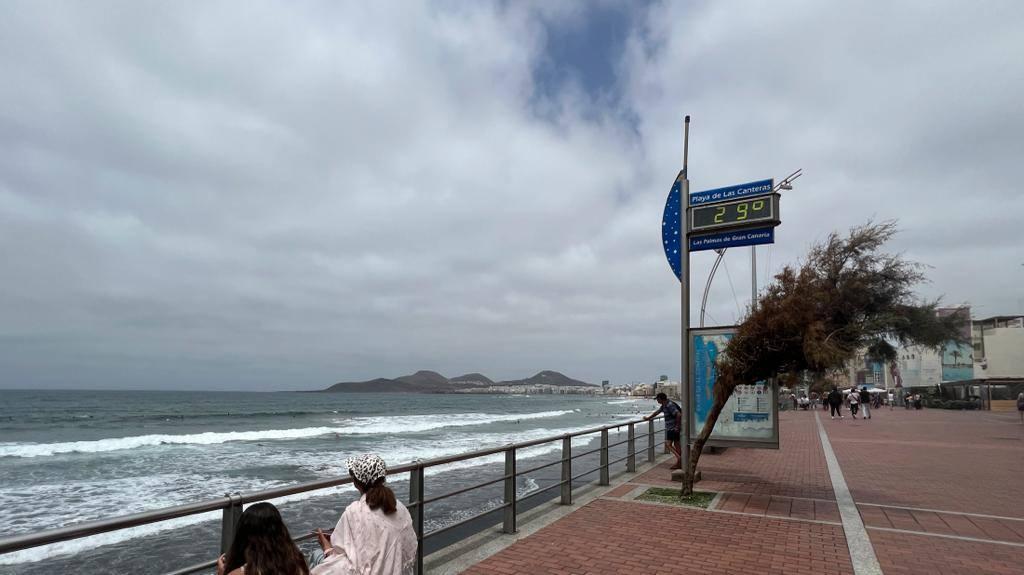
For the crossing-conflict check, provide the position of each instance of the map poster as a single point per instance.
(750, 417)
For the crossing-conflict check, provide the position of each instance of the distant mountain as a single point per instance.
(379, 385)
(547, 377)
(420, 382)
(473, 379)
(424, 378)
(433, 382)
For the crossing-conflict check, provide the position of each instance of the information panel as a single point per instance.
(750, 417)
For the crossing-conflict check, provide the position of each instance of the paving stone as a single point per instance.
(909, 554)
(631, 537)
(911, 462)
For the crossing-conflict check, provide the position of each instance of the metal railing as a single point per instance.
(231, 504)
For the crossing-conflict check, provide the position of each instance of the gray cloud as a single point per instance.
(265, 196)
(898, 111)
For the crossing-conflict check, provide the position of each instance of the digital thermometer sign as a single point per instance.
(740, 213)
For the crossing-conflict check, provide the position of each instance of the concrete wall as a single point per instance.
(1004, 352)
(919, 366)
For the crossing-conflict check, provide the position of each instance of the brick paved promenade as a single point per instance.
(938, 492)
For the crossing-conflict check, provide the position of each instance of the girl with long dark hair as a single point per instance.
(262, 546)
(374, 535)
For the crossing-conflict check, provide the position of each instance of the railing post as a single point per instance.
(229, 520)
(631, 450)
(604, 457)
(650, 441)
(566, 470)
(509, 525)
(417, 512)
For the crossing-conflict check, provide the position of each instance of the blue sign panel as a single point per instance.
(753, 416)
(721, 240)
(705, 357)
(758, 188)
(670, 231)
(750, 415)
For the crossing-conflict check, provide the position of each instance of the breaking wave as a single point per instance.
(142, 493)
(419, 423)
(354, 426)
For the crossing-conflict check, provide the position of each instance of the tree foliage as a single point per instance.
(847, 297)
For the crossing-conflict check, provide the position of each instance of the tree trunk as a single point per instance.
(724, 387)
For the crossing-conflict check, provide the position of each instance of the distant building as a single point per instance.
(996, 351)
(642, 390)
(670, 388)
(998, 347)
(916, 366)
(958, 358)
(864, 370)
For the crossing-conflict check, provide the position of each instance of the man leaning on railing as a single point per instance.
(673, 423)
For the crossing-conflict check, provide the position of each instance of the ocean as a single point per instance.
(73, 456)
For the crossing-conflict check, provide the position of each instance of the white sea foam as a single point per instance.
(87, 543)
(529, 488)
(431, 524)
(95, 498)
(420, 423)
(622, 401)
(355, 426)
(398, 451)
(134, 442)
(129, 495)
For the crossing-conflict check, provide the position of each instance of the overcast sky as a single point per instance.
(257, 195)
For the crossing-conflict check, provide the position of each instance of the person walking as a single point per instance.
(835, 401)
(865, 402)
(892, 400)
(854, 401)
(673, 423)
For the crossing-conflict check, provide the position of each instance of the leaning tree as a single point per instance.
(848, 296)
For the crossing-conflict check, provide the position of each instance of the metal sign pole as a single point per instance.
(684, 262)
(743, 214)
(753, 278)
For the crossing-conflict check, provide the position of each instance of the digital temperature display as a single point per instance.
(736, 214)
